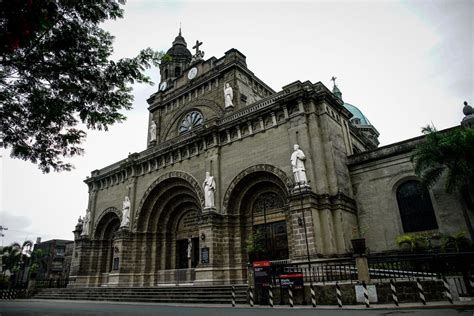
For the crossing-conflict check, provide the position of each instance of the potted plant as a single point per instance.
(358, 240)
(413, 242)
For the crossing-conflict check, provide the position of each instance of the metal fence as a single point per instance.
(423, 266)
(320, 271)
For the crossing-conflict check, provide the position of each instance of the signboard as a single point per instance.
(116, 264)
(360, 293)
(205, 255)
(295, 279)
(259, 264)
(262, 273)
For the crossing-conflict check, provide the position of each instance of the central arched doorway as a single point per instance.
(169, 215)
(259, 198)
(269, 229)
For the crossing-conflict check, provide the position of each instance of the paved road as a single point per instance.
(31, 307)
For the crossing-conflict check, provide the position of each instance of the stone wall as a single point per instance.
(375, 178)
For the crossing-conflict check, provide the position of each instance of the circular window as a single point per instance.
(191, 120)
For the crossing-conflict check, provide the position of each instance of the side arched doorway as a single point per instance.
(169, 217)
(260, 200)
(105, 230)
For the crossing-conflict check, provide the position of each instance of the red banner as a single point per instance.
(258, 264)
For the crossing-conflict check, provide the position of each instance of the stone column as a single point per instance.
(212, 243)
(362, 266)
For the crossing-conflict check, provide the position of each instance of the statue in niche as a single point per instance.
(228, 96)
(125, 213)
(86, 223)
(190, 247)
(297, 162)
(209, 186)
(152, 131)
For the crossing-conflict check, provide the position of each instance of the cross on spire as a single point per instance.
(333, 79)
(198, 43)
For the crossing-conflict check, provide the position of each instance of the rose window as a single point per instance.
(191, 120)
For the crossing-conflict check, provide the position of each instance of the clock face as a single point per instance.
(163, 86)
(192, 73)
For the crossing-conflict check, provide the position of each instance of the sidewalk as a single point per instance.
(458, 305)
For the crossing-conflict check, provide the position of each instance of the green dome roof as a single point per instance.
(358, 116)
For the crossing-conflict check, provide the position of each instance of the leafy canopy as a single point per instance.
(450, 152)
(56, 73)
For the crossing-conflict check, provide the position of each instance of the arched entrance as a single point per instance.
(259, 198)
(170, 214)
(106, 227)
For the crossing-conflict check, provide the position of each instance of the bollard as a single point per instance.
(366, 295)
(421, 293)
(233, 296)
(270, 295)
(290, 295)
(338, 295)
(313, 296)
(394, 292)
(447, 291)
(251, 296)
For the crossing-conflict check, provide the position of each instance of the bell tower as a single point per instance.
(176, 60)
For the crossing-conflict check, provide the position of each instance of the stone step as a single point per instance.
(190, 294)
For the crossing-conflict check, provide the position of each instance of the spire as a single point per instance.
(179, 40)
(335, 89)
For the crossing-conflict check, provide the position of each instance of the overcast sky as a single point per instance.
(404, 64)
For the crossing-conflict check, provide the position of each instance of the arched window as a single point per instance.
(192, 120)
(177, 71)
(166, 73)
(416, 210)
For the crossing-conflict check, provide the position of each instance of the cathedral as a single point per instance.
(228, 158)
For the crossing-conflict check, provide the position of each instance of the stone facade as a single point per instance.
(173, 239)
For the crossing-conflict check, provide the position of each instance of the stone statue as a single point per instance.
(86, 223)
(228, 96)
(80, 224)
(190, 247)
(297, 162)
(209, 186)
(125, 213)
(152, 131)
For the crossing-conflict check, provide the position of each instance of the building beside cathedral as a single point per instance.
(221, 163)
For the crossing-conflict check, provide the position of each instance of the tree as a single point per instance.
(56, 73)
(450, 154)
(16, 256)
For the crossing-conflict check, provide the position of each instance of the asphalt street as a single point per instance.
(32, 307)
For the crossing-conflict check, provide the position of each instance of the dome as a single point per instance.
(358, 117)
(179, 50)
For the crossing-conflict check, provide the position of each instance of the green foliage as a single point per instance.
(450, 152)
(56, 73)
(16, 256)
(414, 242)
(255, 243)
(457, 242)
(38, 260)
